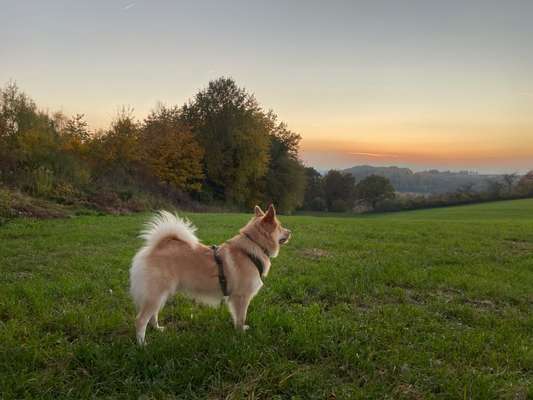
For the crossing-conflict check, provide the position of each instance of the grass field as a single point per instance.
(423, 304)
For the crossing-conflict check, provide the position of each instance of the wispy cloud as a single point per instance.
(128, 6)
(376, 155)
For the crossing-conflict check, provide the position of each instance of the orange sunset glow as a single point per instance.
(513, 150)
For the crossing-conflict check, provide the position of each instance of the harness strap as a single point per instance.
(257, 262)
(251, 239)
(221, 277)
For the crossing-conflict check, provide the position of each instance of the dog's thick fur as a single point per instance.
(173, 260)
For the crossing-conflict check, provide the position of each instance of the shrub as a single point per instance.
(339, 205)
(318, 204)
(42, 181)
(6, 210)
(65, 193)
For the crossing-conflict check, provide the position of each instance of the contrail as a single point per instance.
(128, 6)
(374, 154)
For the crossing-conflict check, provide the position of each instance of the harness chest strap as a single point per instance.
(222, 277)
(257, 262)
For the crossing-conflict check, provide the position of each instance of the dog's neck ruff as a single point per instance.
(264, 249)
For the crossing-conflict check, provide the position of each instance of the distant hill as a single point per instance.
(432, 181)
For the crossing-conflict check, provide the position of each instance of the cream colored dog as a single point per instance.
(173, 260)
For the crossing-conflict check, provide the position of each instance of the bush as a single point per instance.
(65, 193)
(339, 205)
(318, 204)
(42, 181)
(146, 201)
(5, 205)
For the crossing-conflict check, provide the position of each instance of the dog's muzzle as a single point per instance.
(285, 239)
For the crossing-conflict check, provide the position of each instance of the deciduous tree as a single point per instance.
(285, 180)
(525, 185)
(339, 190)
(374, 189)
(314, 198)
(170, 151)
(234, 132)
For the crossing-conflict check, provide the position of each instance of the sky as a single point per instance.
(422, 84)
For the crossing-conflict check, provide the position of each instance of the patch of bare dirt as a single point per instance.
(408, 391)
(314, 253)
(519, 245)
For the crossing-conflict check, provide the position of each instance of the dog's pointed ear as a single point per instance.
(258, 211)
(270, 215)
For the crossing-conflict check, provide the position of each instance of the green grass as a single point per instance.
(423, 304)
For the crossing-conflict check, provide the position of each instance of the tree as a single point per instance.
(77, 128)
(525, 185)
(169, 150)
(509, 180)
(339, 190)
(466, 189)
(18, 114)
(31, 148)
(494, 188)
(285, 179)
(17, 110)
(116, 153)
(235, 134)
(374, 189)
(75, 138)
(314, 198)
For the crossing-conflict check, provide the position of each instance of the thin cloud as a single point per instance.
(128, 6)
(377, 155)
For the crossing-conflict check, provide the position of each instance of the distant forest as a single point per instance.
(405, 180)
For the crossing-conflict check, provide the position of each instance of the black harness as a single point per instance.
(221, 277)
(256, 261)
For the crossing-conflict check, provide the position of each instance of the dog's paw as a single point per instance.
(245, 328)
(160, 328)
(141, 342)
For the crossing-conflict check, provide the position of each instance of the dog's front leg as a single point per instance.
(238, 306)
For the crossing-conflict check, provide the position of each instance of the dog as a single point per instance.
(173, 260)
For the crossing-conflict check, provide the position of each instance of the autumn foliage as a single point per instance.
(219, 148)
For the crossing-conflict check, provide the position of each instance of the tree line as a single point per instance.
(505, 187)
(219, 148)
(340, 191)
(425, 182)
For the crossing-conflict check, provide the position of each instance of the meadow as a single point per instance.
(414, 305)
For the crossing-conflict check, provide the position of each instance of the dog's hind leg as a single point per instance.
(238, 306)
(147, 311)
(153, 320)
(155, 323)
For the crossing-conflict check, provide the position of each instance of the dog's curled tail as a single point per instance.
(167, 225)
